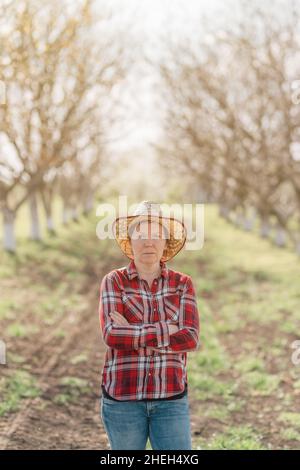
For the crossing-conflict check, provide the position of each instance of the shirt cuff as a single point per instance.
(162, 331)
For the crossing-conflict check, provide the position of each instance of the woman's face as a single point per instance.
(148, 242)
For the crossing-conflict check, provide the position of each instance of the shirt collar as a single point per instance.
(132, 271)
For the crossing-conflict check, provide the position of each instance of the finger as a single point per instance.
(119, 321)
(116, 315)
(119, 317)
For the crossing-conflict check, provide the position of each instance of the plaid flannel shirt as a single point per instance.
(142, 360)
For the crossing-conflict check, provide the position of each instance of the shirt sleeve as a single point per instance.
(186, 339)
(126, 337)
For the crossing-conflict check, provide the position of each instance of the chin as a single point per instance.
(149, 259)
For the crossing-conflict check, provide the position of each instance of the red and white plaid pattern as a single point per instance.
(142, 360)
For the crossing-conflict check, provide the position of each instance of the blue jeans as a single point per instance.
(129, 424)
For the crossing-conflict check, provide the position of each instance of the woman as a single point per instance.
(149, 321)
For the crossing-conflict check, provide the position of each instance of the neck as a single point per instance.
(148, 269)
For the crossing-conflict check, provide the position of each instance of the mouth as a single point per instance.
(149, 253)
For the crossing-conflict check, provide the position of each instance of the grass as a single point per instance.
(79, 359)
(8, 308)
(19, 386)
(236, 437)
(248, 364)
(291, 418)
(19, 330)
(72, 389)
(290, 434)
(259, 383)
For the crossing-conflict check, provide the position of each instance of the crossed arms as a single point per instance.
(152, 335)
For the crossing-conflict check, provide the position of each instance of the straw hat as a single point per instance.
(175, 231)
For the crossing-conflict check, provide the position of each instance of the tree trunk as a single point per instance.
(50, 224)
(9, 240)
(249, 221)
(298, 247)
(239, 218)
(66, 214)
(224, 211)
(35, 232)
(74, 214)
(47, 203)
(265, 227)
(280, 236)
(89, 203)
